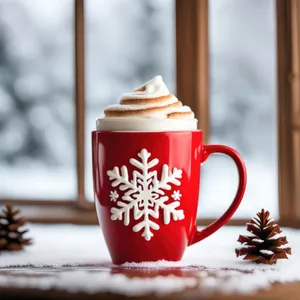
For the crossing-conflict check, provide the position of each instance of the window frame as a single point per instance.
(288, 97)
(192, 66)
(79, 210)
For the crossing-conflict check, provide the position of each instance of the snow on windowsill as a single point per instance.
(74, 258)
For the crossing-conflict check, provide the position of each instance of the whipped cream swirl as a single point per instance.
(151, 100)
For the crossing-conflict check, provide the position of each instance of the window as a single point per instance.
(288, 57)
(37, 128)
(193, 85)
(123, 51)
(242, 102)
(227, 87)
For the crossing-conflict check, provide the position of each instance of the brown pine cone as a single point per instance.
(11, 234)
(266, 245)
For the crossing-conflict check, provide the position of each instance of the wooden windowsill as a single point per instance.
(56, 212)
(72, 261)
(67, 212)
(61, 214)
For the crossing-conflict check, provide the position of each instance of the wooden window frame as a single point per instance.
(288, 85)
(79, 210)
(192, 66)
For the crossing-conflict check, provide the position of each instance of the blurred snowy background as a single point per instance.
(128, 42)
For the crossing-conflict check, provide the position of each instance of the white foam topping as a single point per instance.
(146, 124)
(122, 107)
(154, 88)
(152, 100)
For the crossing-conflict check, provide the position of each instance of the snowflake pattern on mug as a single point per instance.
(145, 194)
(176, 195)
(114, 196)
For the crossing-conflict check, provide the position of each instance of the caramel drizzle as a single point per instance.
(111, 112)
(177, 115)
(117, 113)
(146, 101)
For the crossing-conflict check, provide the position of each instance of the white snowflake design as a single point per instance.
(113, 196)
(144, 193)
(176, 195)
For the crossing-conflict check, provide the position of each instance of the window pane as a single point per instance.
(36, 91)
(128, 43)
(243, 105)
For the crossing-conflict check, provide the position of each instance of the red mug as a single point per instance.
(146, 187)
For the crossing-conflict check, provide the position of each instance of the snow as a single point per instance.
(235, 284)
(276, 236)
(75, 258)
(272, 225)
(161, 264)
(268, 252)
(253, 224)
(37, 182)
(258, 240)
(219, 180)
(243, 247)
(103, 282)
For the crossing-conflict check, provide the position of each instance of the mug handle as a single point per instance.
(199, 235)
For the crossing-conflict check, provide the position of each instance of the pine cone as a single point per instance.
(11, 235)
(266, 245)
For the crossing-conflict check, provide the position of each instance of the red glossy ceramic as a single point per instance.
(146, 188)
